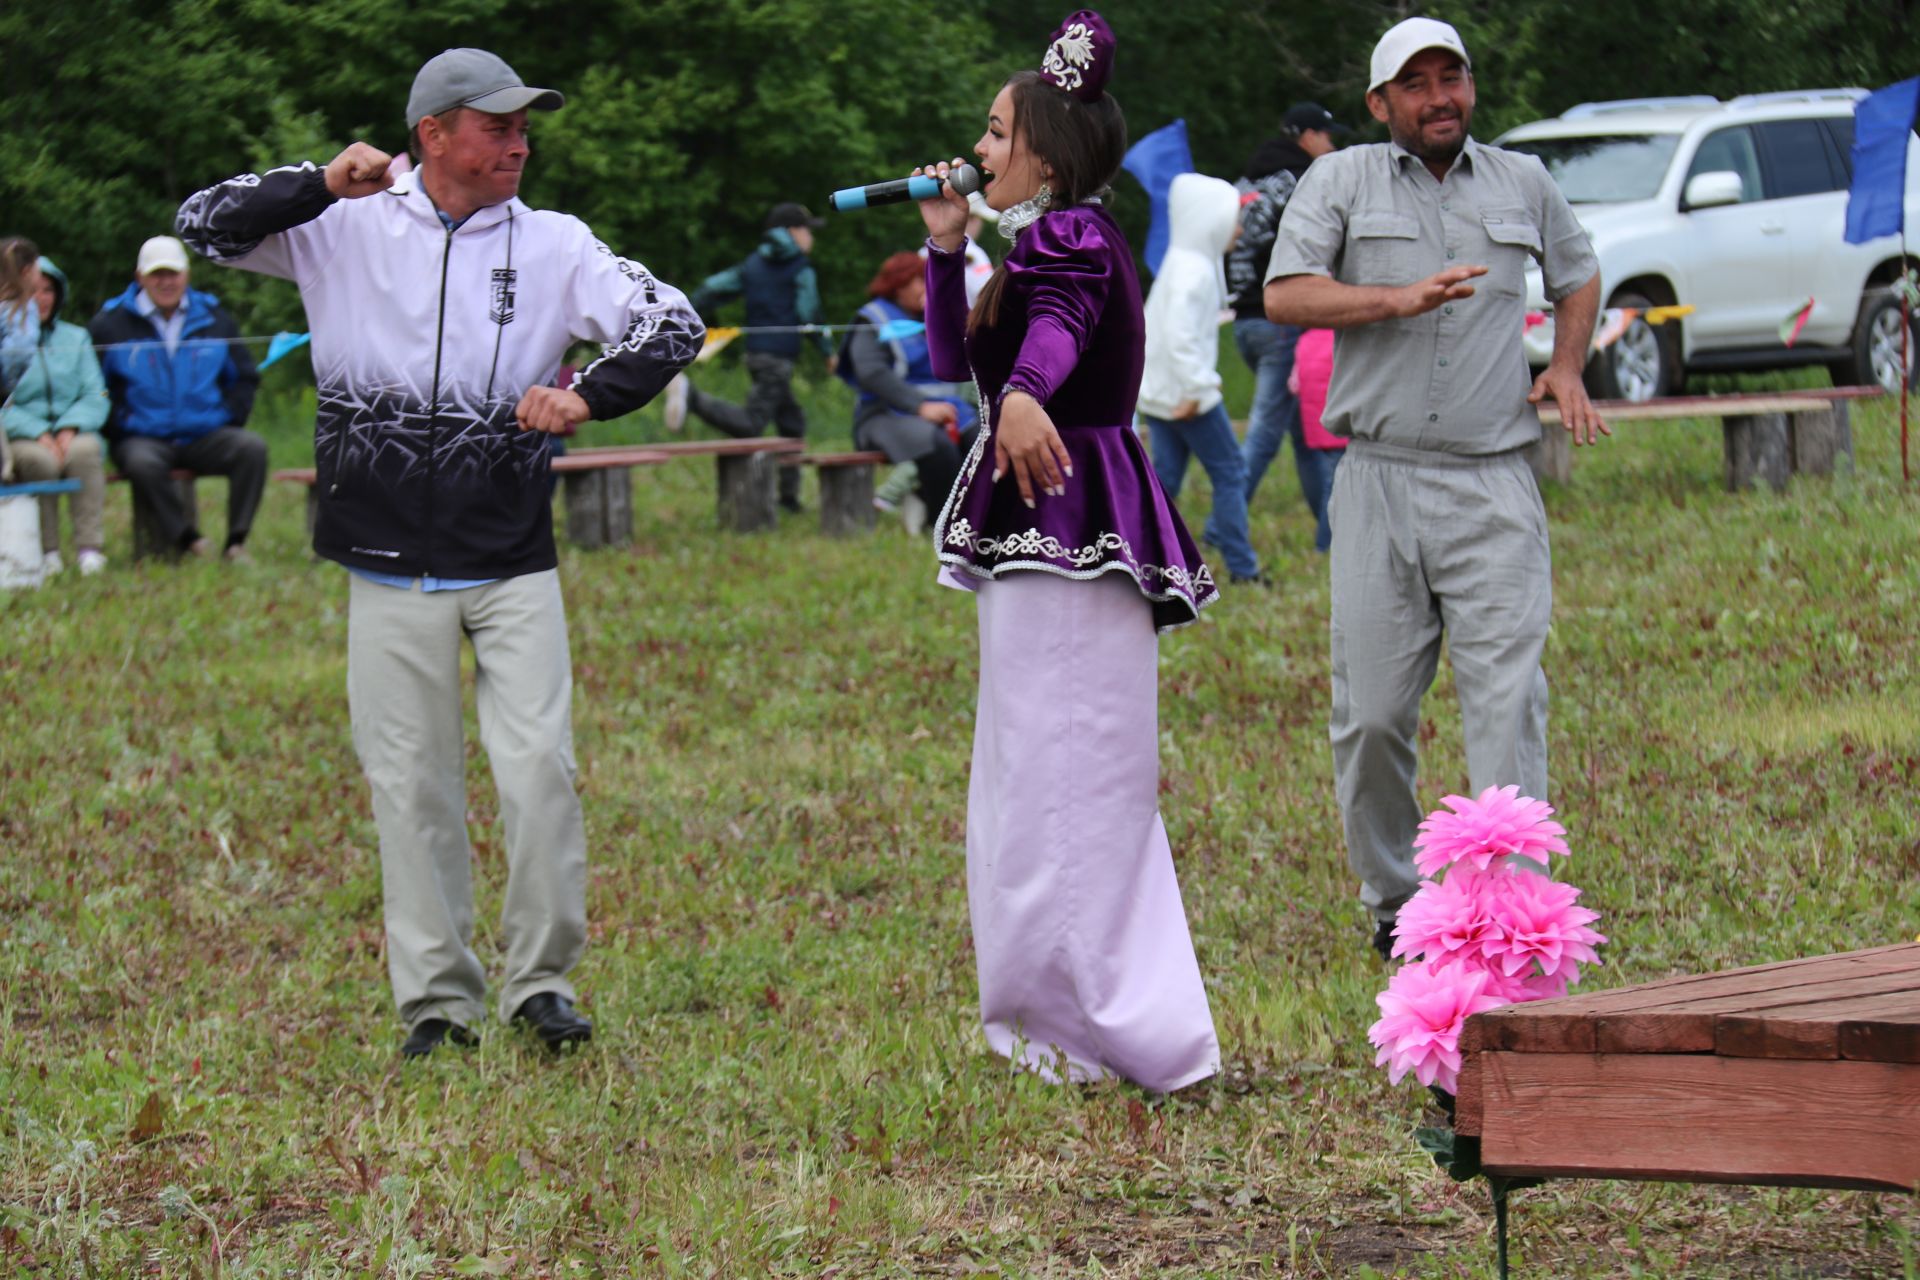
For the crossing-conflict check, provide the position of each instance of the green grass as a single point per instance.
(197, 1051)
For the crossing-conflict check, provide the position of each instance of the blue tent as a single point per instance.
(1882, 124)
(1156, 160)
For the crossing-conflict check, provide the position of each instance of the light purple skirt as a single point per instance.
(1086, 966)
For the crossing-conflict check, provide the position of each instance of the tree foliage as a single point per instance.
(686, 119)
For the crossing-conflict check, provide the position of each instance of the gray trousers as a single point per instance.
(233, 452)
(1428, 544)
(403, 688)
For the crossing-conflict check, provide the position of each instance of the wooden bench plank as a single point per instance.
(1679, 408)
(1700, 1118)
(1567, 1025)
(1692, 1025)
(1809, 1030)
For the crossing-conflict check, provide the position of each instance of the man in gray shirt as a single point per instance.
(1415, 253)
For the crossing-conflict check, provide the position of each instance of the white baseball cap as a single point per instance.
(162, 253)
(1402, 41)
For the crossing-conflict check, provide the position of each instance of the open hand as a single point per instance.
(551, 410)
(1026, 443)
(1450, 285)
(1576, 410)
(360, 170)
(946, 213)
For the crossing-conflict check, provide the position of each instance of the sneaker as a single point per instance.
(91, 561)
(51, 563)
(238, 554)
(200, 548)
(675, 408)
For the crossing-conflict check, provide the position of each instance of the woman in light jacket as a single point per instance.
(53, 420)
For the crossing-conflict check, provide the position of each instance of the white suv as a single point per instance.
(1736, 209)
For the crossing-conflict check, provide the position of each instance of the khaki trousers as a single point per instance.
(403, 688)
(85, 463)
(1426, 544)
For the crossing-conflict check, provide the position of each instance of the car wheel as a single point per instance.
(1876, 358)
(1641, 364)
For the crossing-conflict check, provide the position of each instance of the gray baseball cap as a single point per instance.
(473, 78)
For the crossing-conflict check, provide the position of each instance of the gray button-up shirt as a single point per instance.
(1454, 380)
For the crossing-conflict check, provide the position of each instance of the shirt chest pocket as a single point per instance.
(1383, 247)
(1513, 241)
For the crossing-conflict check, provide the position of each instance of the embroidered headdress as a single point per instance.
(1080, 57)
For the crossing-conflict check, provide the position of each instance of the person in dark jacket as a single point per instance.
(904, 411)
(776, 282)
(1307, 132)
(182, 388)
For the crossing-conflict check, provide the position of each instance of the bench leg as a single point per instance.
(1552, 458)
(1821, 438)
(599, 507)
(747, 485)
(147, 538)
(1757, 449)
(846, 501)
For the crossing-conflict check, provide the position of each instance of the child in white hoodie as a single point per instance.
(1180, 387)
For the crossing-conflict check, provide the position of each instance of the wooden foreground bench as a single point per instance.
(598, 485)
(1804, 1073)
(1767, 436)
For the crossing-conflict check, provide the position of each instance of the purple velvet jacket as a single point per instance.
(1071, 335)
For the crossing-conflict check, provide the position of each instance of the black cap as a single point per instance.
(789, 214)
(1311, 115)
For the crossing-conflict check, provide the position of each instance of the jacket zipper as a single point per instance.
(433, 413)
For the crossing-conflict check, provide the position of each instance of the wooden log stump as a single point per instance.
(1821, 438)
(148, 540)
(846, 500)
(1758, 448)
(747, 489)
(600, 507)
(1552, 458)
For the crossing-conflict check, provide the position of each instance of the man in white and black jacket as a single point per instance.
(440, 307)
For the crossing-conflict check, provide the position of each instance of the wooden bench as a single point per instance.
(598, 485)
(1803, 1073)
(846, 489)
(147, 538)
(1767, 436)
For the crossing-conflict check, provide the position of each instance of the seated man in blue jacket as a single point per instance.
(182, 386)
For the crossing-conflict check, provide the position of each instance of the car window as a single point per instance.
(1604, 170)
(1840, 130)
(1797, 162)
(1730, 151)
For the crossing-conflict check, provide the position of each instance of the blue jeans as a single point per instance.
(1209, 437)
(1316, 481)
(1268, 350)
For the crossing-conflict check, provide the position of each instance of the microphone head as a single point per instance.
(964, 178)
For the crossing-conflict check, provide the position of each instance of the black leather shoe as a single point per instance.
(551, 1017)
(430, 1032)
(1383, 940)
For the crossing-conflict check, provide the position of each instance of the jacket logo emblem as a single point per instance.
(501, 310)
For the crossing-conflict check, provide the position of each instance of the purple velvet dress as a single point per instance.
(1070, 334)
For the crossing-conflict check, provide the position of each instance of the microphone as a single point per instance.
(962, 178)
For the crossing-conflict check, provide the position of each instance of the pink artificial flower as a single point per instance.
(1537, 920)
(1423, 1010)
(1524, 988)
(1501, 823)
(1446, 920)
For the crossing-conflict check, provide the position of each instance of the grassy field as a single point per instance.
(198, 1055)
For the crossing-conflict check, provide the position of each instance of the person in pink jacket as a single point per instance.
(1312, 374)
